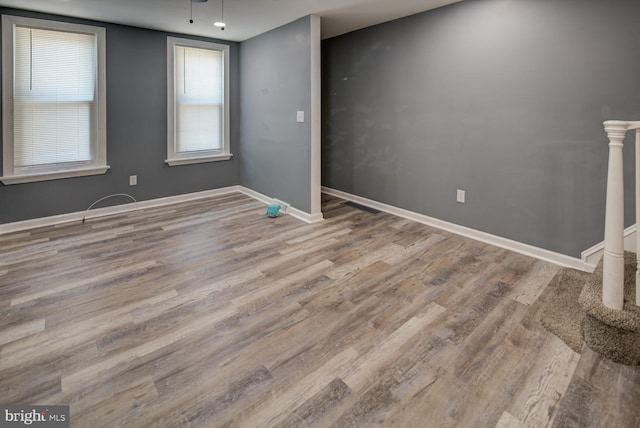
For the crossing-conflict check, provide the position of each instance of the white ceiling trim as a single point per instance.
(244, 18)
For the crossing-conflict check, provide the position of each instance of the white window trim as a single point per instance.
(172, 158)
(99, 165)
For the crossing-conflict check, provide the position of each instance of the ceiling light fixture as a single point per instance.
(191, 2)
(220, 24)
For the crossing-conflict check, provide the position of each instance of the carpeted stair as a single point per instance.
(614, 334)
(561, 313)
(574, 312)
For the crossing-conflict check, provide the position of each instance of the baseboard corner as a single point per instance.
(293, 212)
(591, 256)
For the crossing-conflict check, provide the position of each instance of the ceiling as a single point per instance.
(244, 18)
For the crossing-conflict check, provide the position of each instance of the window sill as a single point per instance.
(31, 178)
(202, 159)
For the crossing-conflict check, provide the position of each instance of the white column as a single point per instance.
(316, 119)
(613, 275)
(638, 217)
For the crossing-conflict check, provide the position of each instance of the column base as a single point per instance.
(612, 333)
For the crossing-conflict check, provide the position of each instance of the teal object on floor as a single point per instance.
(273, 210)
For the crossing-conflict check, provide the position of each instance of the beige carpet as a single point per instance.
(561, 313)
(614, 334)
(591, 298)
(574, 312)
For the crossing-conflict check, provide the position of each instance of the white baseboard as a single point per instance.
(116, 209)
(293, 212)
(498, 241)
(133, 206)
(592, 255)
(255, 195)
(587, 263)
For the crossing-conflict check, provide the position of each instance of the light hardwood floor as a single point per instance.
(208, 313)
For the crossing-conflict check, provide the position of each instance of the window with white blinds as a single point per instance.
(51, 82)
(198, 107)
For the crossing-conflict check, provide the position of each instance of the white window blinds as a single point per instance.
(199, 100)
(54, 97)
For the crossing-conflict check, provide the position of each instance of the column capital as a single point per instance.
(616, 130)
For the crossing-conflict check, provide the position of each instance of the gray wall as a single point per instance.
(136, 134)
(504, 99)
(275, 82)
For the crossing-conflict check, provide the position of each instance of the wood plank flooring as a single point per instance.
(208, 313)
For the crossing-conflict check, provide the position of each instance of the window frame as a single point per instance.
(173, 158)
(98, 164)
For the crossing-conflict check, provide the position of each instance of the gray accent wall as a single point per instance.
(275, 82)
(136, 133)
(504, 99)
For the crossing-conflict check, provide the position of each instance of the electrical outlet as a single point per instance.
(460, 196)
(133, 180)
(300, 116)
